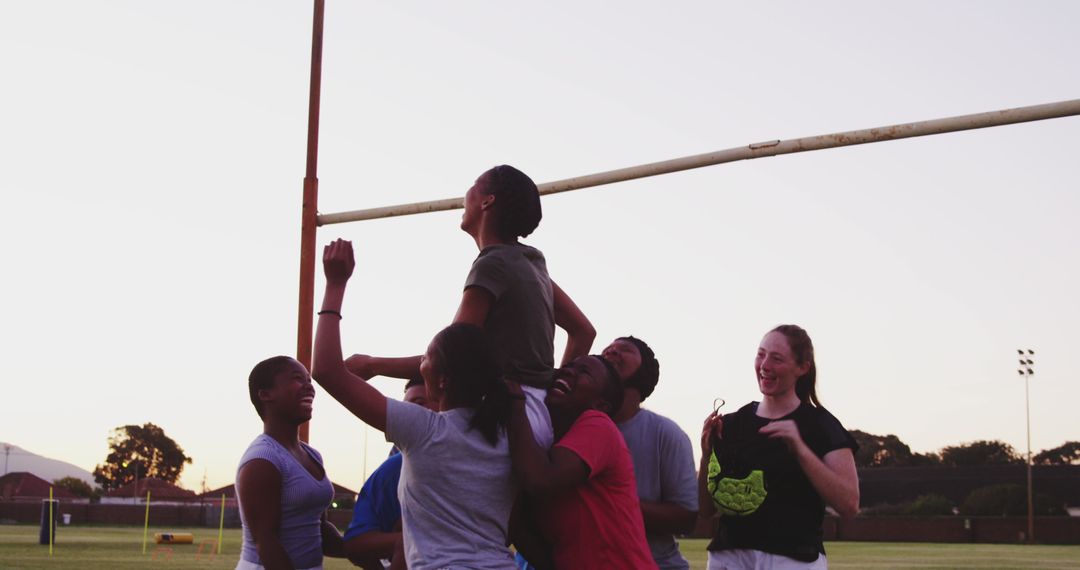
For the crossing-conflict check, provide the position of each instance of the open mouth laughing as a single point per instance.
(561, 386)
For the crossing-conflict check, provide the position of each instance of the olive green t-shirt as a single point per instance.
(521, 323)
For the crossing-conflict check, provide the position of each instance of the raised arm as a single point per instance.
(539, 471)
(834, 476)
(259, 489)
(328, 369)
(580, 333)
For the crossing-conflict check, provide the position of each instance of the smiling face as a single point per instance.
(624, 356)
(578, 386)
(434, 380)
(776, 367)
(291, 395)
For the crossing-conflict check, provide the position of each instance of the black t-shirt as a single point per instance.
(788, 519)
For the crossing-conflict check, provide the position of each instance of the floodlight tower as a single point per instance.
(1027, 370)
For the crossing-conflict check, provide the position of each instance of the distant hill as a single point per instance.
(19, 459)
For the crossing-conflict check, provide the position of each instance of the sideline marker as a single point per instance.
(221, 525)
(146, 522)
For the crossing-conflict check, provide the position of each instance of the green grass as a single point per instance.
(101, 548)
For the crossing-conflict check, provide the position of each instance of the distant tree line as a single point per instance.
(991, 500)
(890, 451)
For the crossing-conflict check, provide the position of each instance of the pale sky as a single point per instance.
(152, 157)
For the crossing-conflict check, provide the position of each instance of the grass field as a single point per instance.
(101, 548)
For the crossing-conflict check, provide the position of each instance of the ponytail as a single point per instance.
(465, 357)
(493, 413)
(806, 387)
(802, 348)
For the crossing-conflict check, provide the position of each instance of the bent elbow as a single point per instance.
(577, 326)
(588, 331)
(848, 509)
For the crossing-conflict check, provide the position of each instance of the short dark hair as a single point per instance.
(417, 380)
(612, 392)
(648, 374)
(517, 201)
(262, 378)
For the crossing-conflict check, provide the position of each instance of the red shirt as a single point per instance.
(598, 524)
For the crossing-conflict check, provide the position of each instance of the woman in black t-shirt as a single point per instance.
(771, 467)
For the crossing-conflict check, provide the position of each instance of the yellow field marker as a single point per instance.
(146, 522)
(221, 525)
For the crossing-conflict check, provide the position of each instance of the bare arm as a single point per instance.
(398, 561)
(579, 331)
(366, 549)
(526, 536)
(675, 509)
(259, 487)
(834, 477)
(331, 539)
(713, 425)
(537, 471)
(667, 518)
(475, 305)
(368, 367)
(360, 398)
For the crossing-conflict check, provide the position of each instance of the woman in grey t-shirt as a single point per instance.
(456, 486)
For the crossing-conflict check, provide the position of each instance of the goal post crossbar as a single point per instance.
(756, 150)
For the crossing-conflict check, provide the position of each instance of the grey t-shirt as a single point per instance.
(456, 489)
(521, 323)
(664, 468)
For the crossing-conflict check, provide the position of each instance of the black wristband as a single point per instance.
(330, 312)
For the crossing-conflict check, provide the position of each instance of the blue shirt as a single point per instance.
(377, 506)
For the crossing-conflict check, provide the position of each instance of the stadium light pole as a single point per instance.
(1027, 370)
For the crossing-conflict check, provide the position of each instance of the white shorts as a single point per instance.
(245, 565)
(745, 559)
(539, 417)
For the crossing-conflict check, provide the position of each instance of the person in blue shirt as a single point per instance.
(375, 528)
